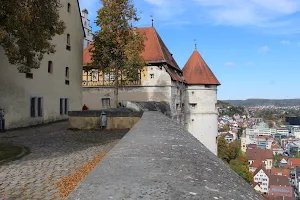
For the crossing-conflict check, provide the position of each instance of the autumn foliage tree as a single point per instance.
(117, 45)
(231, 154)
(26, 30)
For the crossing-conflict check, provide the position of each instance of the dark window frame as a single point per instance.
(50, 67)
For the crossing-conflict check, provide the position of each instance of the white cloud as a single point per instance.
(249, 12)
(229, 64)
(264, 49)
(285, 42)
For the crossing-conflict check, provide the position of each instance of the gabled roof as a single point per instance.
(261, 167)
(197, 72)
(280, 172)
(155, 49)
(259, 154)
(294, 162)
(257, 164)
(279, 180)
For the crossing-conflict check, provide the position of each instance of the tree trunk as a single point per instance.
(116, 89)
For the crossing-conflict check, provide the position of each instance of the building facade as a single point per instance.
(193, 104)
(87, 28)
(46, 94)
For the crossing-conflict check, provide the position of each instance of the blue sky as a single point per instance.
(252, 46)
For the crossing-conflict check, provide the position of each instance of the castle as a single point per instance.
(191, 92)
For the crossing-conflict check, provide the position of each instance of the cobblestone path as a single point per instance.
(56, 152)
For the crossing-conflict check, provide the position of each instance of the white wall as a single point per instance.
(202, 120)
(16, 89)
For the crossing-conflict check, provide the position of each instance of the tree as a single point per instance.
(241, 169)
(271, 124)
(223, 148)
(117, 45)
(26, 30)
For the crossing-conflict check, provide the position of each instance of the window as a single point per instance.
(193, 105)
(61, 102)
(36, 107)
(67, 82)
(50, 67)
(63, 106)
(105, 102)
(32, 107)
(29, 75)
(40, 107)
(68, 42)
(152, 76)
(177, 106)
(207, 86)
(67, 72)
(66, 106)
(69, 7)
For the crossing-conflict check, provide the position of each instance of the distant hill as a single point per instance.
(264, 102)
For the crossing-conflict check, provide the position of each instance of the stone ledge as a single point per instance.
(158, 159)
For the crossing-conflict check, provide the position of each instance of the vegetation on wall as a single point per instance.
(231, 154)
(26, 30)
(117, 45)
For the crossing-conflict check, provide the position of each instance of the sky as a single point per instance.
(252, 46)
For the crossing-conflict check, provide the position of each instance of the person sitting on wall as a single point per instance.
(84, 107)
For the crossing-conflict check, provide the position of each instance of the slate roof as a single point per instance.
(197, 72)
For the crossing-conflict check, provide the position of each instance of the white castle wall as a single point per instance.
(201, 116)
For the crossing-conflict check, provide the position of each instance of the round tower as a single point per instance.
(201, 115)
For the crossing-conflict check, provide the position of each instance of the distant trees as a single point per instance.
(232, 155)
(277, 159)
(224, 129)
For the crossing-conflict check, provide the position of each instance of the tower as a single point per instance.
(87, 28)
(243, 143)
(201, 115)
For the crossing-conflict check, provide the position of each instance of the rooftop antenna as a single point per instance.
(152, 20)
(195, 44)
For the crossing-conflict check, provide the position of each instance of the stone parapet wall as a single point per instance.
(158, 159)
(120, 118)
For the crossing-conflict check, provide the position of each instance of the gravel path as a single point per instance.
(55, 153)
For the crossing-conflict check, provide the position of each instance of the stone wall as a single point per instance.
(121, 118)
(158, 159)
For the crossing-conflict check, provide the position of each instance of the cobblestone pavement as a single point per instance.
(55, 153)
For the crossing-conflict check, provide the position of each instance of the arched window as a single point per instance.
(67, 72)
(50, 67)
(69, 7)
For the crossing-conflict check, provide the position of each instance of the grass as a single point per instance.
(9, 151)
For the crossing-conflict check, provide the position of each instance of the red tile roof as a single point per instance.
(279, 180)
(257, 164)
(280, 172)
(295, 162)
(155, 49)
(259, 154)
(197, 72)
(261, 167)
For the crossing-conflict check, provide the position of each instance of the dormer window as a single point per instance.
(69, 7)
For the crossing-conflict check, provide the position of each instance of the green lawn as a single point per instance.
(9, 151)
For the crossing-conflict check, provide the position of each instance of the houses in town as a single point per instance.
(48, 93)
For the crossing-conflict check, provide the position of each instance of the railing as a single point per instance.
(110, 83)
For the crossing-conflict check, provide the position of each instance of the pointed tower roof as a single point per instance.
(196, 71)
